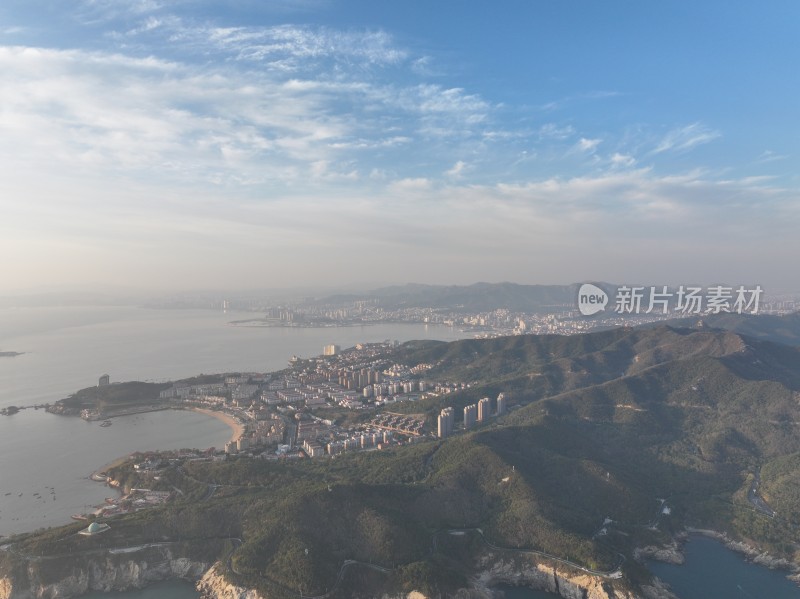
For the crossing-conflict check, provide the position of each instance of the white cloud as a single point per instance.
(622, 160)
(424, 66)
(86, 110)
(602, 224)
(410, 185)
(686, 138)
(94, 11)
(12, 30)
(554, 131)
(457, 170)
(291, 48)
(587, 145)
(769, 156)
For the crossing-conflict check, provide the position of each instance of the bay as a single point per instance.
(45, 460)
(712, 571)
(68, 348)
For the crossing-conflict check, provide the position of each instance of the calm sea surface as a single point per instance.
(712, 571)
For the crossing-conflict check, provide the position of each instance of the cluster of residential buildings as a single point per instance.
(349, 442)
(473, 414)
(278, 410)
(402, 423)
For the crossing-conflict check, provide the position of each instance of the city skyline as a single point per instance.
(195, 144)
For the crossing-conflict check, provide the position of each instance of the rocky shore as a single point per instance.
(539, 575)
(116, 570)
(67, 577)
(214, 586)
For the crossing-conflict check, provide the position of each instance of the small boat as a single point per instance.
(79, 517)
(106, 423)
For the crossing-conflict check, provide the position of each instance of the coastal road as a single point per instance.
(755, 498)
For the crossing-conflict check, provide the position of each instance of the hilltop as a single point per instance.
(783, 328)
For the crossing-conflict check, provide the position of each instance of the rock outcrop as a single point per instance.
(64, 578)
(558, 579)
(670, 554)
(214, 586)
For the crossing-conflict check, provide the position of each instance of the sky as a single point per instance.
(186, 144)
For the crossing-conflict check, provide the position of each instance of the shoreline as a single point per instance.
(237, 430)
(236, 426)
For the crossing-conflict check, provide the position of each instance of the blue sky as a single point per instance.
(195, 144)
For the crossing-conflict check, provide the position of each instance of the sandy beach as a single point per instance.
(236, 426)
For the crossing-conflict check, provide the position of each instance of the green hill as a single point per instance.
(614, 424)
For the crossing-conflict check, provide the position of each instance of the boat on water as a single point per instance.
(79, 517)
(106, 423)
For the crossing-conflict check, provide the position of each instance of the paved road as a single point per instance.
(756, 500)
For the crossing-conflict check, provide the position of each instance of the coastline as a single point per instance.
(236, 426)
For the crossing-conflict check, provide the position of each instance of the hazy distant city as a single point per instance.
(560, 319)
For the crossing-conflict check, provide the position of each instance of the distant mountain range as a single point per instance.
(480, 297)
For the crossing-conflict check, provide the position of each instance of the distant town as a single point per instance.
(483, 310)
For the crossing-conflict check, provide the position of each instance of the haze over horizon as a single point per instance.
(326, 143)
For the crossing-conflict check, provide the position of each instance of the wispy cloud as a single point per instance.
(685, 138)
(12, 30)
(555, 131)
(185, 121)
(769, 156)
(618, 160)
(587, 145)
(291, 48)
(457, 169)
(98, 11)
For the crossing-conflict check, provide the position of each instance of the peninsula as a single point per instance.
(550, 461)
